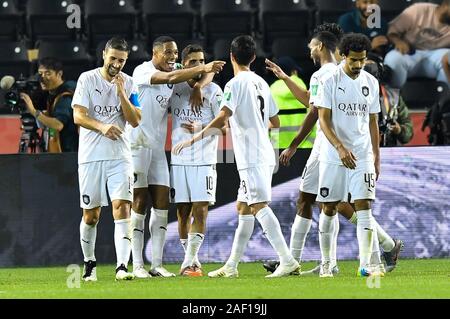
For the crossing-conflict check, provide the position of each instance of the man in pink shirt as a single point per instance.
(421, 35)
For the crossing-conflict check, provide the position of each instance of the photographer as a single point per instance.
(395, 123)
(58, 117)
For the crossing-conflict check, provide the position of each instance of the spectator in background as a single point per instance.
(356, 22)
(396, 127)
(62, 133)
(292, 112)
(421, 35)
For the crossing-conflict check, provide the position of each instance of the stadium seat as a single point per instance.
(72, 54)
(172, 18)
(296, 48)
(108, 18)
(10, 21)
(222, 19)
(284, 18)
(421, 94)
(14, 59)
(330, 10)
(47, 20)
(138, 54)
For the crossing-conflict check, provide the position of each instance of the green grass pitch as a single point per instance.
(428, 278)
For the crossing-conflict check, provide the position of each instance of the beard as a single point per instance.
(112, 71)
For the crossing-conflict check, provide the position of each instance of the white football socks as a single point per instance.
(241, 237)
(122, 241)
(299, 232)
(137, 238)
(88, 236)
(364, 232)
(158, 230)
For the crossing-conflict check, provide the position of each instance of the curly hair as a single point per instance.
(330, 27)
(355, 42)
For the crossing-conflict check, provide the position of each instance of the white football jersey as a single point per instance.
(203, 152)
(351, 102)
(248, 96)
(315, 84)
(154, 100)
(100, 98)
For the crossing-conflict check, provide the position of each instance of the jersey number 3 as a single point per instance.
(261, 106)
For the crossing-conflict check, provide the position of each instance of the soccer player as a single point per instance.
(105, 99)
(321, 47)
(249, 107)
(155, 80)
(193, 173)
(348, 103)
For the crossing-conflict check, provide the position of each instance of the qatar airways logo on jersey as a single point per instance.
(187, 114)
(353, 109)
(106, 110)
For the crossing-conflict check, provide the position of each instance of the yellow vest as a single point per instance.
(292, 114)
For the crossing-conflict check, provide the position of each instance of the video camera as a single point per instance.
(15, 87)
(30, 139)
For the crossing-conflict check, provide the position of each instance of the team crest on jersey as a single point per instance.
(172, 193)
(324, 191)
(365, 90)
(86, 199)
(314, 89)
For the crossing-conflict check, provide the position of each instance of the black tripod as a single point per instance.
(30, 141)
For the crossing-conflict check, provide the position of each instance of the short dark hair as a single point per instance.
(51, 64)
(161, 40)
(445, 3)
(328, 40)
(330, 27)
(355, 42)
(191, 48)
(243, 49)
(117, 43)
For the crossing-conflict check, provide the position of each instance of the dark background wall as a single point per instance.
(40, 213)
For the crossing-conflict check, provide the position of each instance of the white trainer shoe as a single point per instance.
(161, 272)
(285, 270)
(325, 270)
(224, 271)
(140, 272)
(123, 274)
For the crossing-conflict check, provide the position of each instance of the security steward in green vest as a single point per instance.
(292, 113)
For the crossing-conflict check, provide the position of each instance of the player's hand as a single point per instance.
(119, 82)
(402, 46)
(377, 168)
(279, 73)
(286, 155)
(111, 131)
(347, 157)
(214, 66)
(379, 41)
(196, 99)
(192, 127)
(176, 150)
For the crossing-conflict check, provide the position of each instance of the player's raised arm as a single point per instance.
(183, 75)
(131, 114)
(300, 94)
